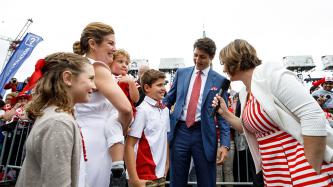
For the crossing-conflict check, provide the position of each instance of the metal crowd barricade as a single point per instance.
(13, 149)
(13, 152)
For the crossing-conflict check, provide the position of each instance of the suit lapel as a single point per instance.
(208, 85)
(187, 80)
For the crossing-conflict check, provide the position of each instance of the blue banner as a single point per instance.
(21, 53)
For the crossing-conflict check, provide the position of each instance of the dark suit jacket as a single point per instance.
(177, 96)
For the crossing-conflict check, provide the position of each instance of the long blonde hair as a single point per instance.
(50, 88)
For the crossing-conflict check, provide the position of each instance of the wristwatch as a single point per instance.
(228, 148)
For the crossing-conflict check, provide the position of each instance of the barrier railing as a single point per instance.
(13, 150)
(13, 153)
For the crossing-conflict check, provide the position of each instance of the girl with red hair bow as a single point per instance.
(55, 149)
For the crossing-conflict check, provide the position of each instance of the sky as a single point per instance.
(154, 29)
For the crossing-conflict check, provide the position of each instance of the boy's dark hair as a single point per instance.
(207, 45)
(151, 76)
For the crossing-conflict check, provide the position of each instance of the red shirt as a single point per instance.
(125, 88)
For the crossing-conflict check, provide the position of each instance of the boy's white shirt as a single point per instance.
(147, 118)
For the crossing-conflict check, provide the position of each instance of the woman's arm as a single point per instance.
(293, 95)
(108, 87)
(222, 109)
(314, 149)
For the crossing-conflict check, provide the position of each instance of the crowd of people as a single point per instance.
(95, 125)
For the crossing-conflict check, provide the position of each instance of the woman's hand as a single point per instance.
(314, 149)
(220, 105)
(222, 109)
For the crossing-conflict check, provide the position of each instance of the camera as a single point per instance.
(14, 81)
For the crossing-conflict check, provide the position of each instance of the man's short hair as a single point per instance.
(207, 45)
(150, 77)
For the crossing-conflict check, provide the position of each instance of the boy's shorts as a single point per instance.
(155, 183)
(114, 131)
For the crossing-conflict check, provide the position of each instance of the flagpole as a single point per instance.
(20, 54)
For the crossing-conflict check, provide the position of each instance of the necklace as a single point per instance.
(83, 147)
(83, 144)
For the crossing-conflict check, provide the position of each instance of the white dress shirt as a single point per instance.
(204, 76)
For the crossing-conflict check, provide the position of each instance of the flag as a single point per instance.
(21, 53)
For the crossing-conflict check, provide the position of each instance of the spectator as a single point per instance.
(10, 100)
(17, 111)
(313, 88)
(2, 104)
(142, 69)
(324, 95)
(2, 112)
(21, 85)
(12, 84)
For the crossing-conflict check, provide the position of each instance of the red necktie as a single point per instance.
(192, 106)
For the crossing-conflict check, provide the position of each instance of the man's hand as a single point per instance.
(166, 170)
(221, 155)
(137, 183)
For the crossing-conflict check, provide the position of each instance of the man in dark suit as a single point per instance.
(192, 125)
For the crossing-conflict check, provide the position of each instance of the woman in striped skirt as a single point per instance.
(288, 136)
